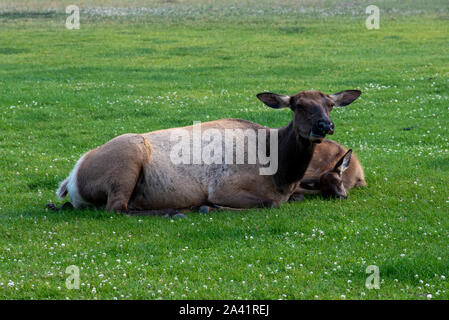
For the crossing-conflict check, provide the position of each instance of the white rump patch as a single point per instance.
(72, 187)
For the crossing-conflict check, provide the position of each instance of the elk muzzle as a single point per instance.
(320, 129)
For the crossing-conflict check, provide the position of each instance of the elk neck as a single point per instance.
(295, 153)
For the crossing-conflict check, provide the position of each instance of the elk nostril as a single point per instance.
(321, 125)
(324, 126)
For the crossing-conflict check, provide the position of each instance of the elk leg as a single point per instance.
(110, 173)
(122, 186)
(239, 200)
(168, 213)
(64, 206)
(213, 207)
(297, 197)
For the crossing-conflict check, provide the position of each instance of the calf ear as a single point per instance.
(274, 100)
(310, 184)
(344, 98)
(343, 163)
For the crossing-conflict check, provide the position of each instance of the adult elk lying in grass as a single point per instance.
(332, 172)
(133, 173)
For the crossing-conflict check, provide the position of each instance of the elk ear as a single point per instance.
(274, 100)
(310, 184)
(343, 98)
(343, 163)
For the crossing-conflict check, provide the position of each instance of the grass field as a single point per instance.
(63, 92)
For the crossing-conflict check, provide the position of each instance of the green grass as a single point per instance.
(64, 92)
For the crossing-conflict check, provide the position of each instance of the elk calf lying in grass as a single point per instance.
(135, 173)
(332, 172)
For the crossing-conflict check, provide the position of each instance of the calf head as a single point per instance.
(330, 183)
(311, 110)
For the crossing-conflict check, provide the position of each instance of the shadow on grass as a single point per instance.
(39, 210)
(28, 15)
(292, 29)
(111, 73)
(437, 164)
(7, 51)
(414, 268)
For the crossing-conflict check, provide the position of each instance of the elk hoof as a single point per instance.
(52, 207)
(297, 197)
(204, 209)
(174, 214)
(66, 205)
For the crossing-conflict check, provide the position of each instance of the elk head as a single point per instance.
(330, 182)
(311, 110)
